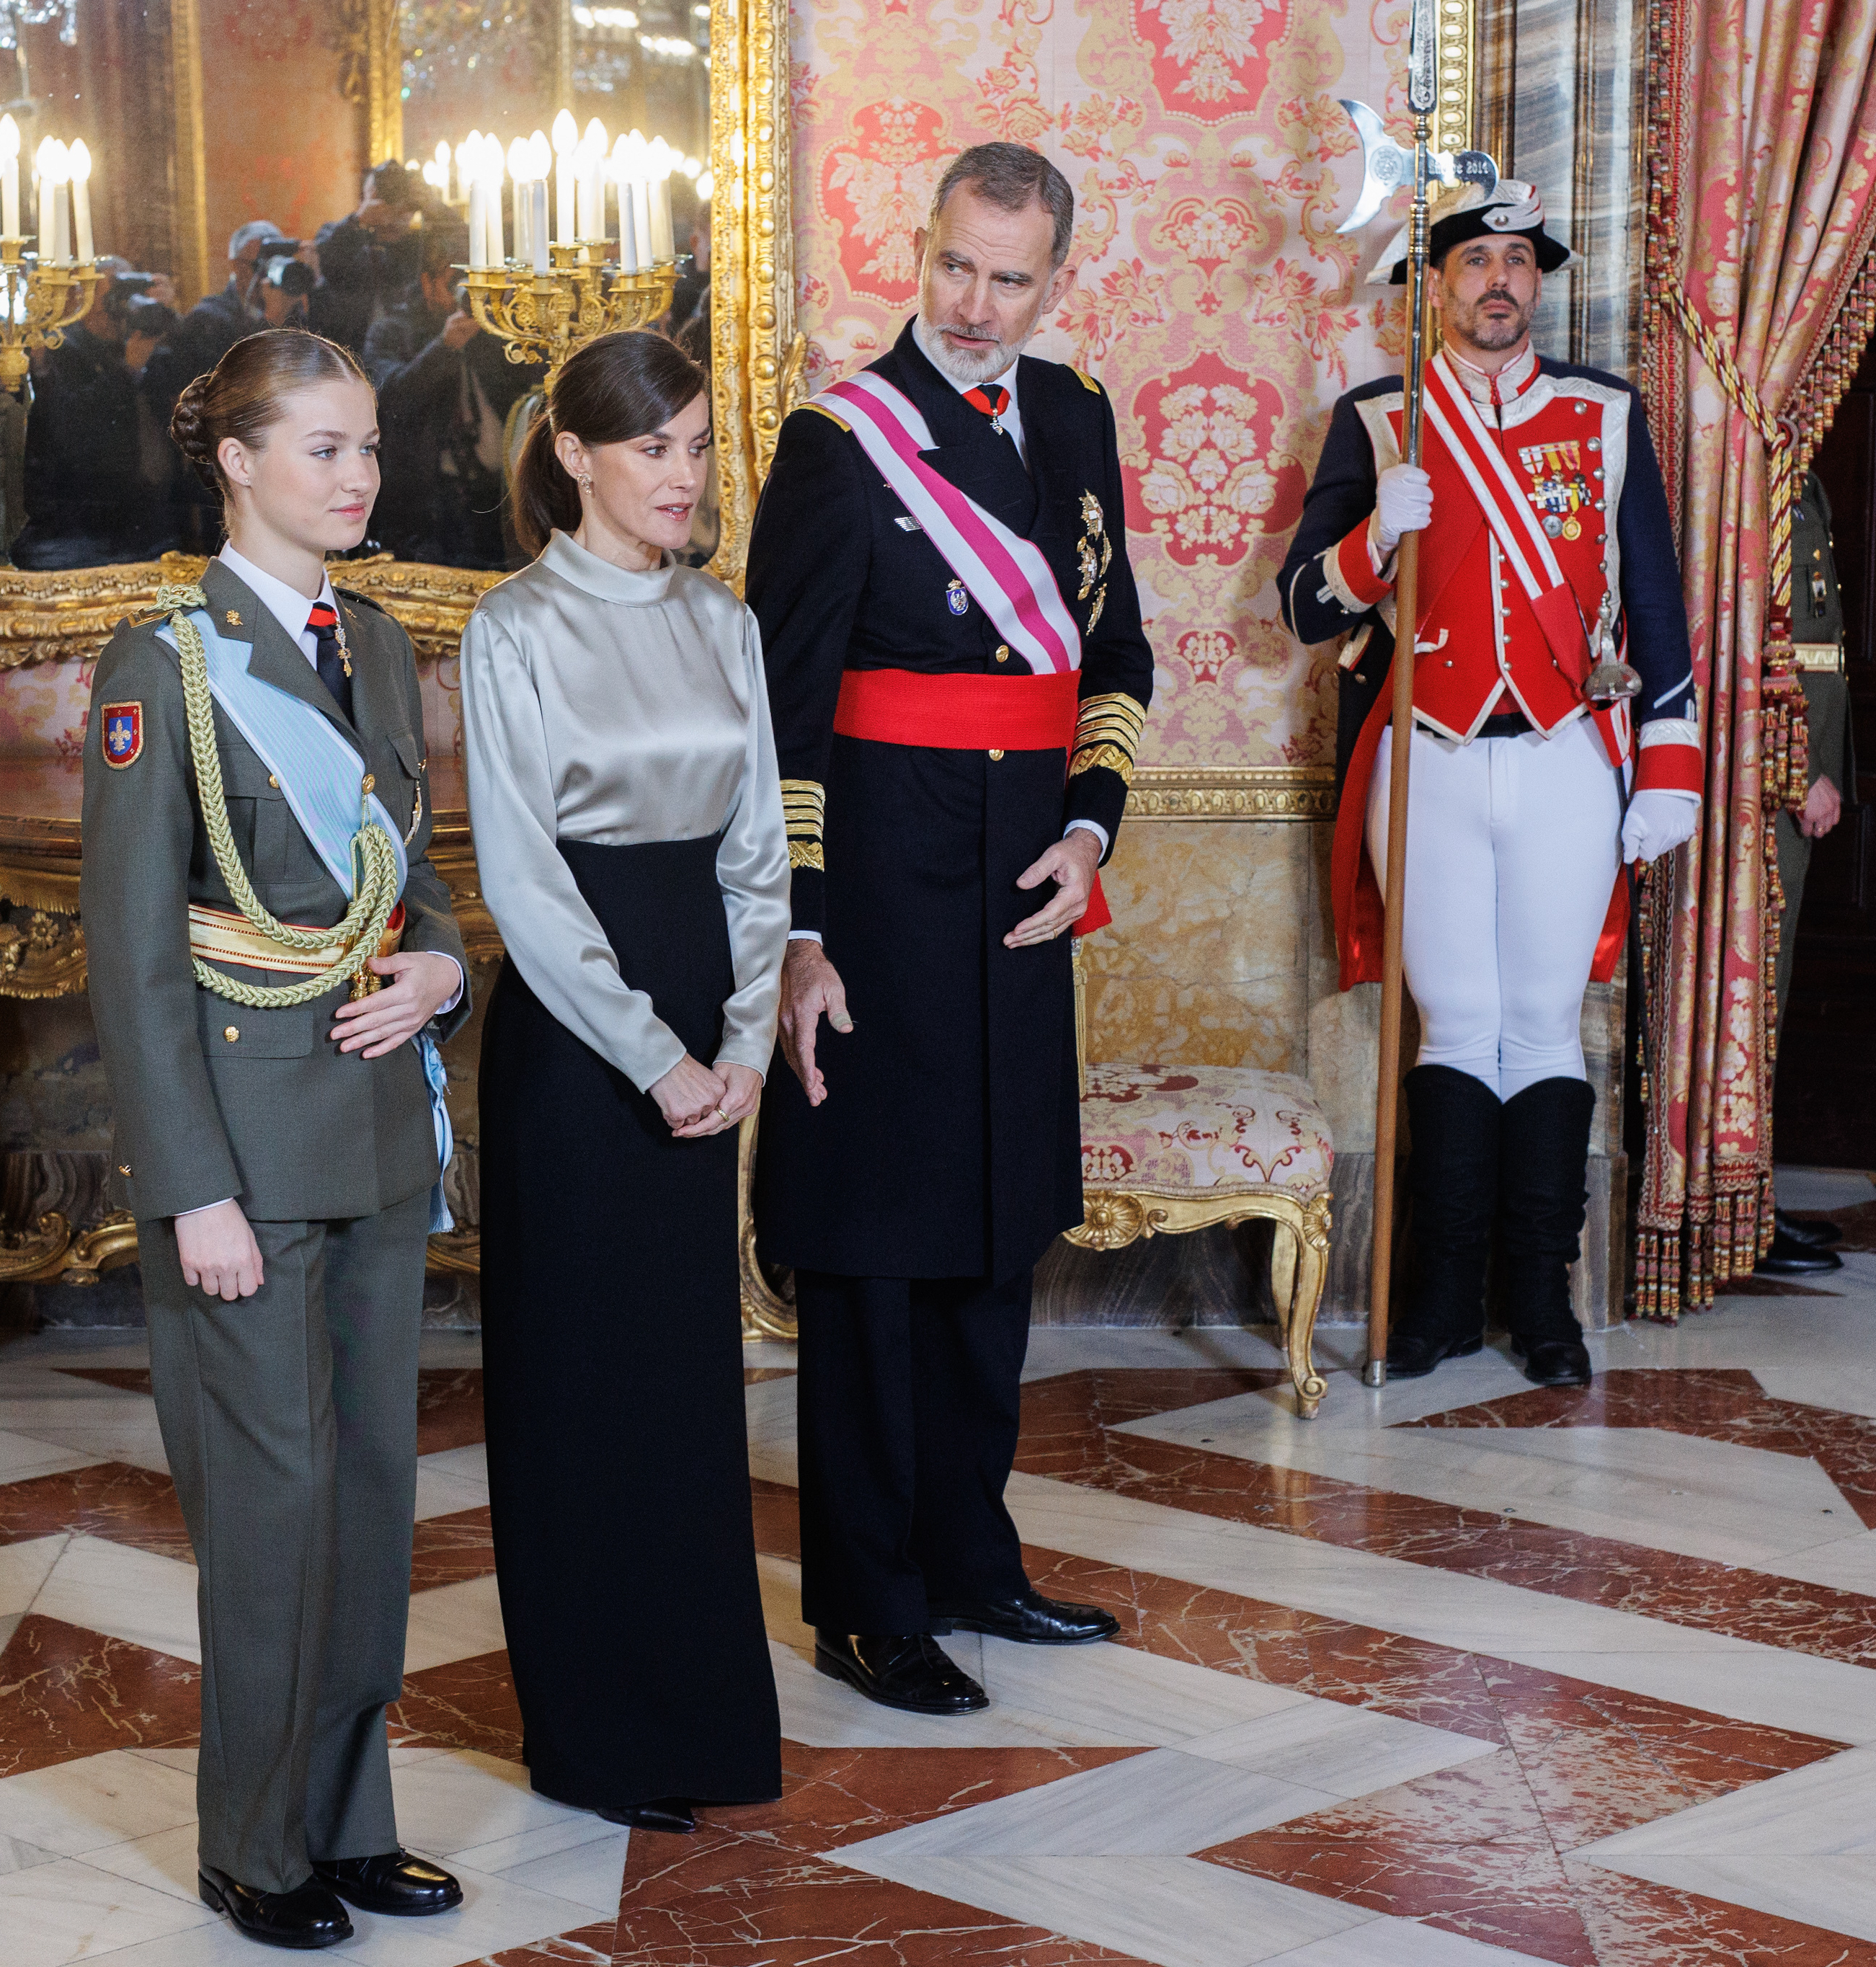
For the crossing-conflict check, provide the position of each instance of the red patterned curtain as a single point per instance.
(1760, 294)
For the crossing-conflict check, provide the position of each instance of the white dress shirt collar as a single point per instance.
(287, 606)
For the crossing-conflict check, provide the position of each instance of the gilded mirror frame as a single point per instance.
(53, 617)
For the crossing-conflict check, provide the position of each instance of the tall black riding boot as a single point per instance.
(1453, 1178)
(1543, 1163)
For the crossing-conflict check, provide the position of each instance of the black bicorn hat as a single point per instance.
(1513, 208)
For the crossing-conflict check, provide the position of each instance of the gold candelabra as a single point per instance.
(546, 317)
(39, 300)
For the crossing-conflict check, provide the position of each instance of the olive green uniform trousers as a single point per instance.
(290, 1421)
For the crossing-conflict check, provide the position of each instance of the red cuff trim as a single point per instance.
(1670, 768)
(1356, 566)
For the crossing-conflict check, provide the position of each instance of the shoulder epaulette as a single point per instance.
(363, 601)
(832, 416)
(1087, 381)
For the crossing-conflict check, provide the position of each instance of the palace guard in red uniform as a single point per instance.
(958, 679)
(1547, 559)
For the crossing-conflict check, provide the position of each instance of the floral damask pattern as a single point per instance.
(1213, 1127)
(1211, 294)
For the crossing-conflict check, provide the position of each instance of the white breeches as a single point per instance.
(1513, 847)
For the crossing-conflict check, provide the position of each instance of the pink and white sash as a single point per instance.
(1006, 575)
(1521, 537)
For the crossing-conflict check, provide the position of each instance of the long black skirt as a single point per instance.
(619, 1465)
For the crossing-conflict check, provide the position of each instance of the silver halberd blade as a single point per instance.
(1386, 165)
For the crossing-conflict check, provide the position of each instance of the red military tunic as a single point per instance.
(1566, 435)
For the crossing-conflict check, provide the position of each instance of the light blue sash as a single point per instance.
(323, 778)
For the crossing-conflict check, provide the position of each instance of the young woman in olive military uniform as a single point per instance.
(275, 1135)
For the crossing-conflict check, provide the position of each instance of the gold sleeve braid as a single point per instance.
(804, 803)
(1107, 734)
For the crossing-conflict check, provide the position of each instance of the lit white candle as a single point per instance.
(490, 173)
(42, 197)
(659, 159)
(81, 199)
(59, 175)
(478, 223)
(566, 144)
(638, 171)
(520, 161)
(9, 177)
(538, 224)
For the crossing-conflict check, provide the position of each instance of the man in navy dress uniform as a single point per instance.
(955, 747)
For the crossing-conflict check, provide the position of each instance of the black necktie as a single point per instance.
(335, 672)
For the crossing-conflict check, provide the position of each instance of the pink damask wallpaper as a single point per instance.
(1211, 166)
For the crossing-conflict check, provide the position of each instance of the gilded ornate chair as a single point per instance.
(1168, 1149)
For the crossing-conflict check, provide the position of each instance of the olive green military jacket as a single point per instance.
(214, 1099)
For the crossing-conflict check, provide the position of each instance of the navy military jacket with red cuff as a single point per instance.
(1576, 441)
(950, 1144)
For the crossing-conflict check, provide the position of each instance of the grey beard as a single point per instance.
(966, 370)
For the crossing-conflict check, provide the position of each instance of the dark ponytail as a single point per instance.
(618, 387)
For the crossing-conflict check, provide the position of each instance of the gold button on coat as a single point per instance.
(995, 756)
(1002, 652)
(231, 1032)
(123, 1168)
(273, 781)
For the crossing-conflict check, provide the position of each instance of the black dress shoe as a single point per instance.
(1411, 1357)
(392, 1882)
(1819, 1236)
(1553, 1362)
(908, 1670)
(306, 1917)
(1030, 1620)
(1788, 1258)
(670, 1813)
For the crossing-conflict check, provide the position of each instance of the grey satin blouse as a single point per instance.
(618, 708)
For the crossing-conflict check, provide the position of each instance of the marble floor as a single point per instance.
(1461, 1674)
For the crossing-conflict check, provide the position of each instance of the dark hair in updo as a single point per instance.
(619, 386)
(244, 395)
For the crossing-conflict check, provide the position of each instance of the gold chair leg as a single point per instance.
(1307, 1260)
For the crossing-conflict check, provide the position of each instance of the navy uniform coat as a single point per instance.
(949, 1145)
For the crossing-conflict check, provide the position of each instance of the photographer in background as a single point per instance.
(88, 500)
(370, 261)
(445, 390)
(192, 348)
(286, 285)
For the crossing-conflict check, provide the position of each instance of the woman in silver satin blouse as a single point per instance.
(629, 837)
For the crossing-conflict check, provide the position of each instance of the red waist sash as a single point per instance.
(967, 713)
(959, 713)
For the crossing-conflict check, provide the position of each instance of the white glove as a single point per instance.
(1657, 823)
(1403, 504)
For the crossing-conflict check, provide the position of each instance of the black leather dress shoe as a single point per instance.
(670, 1813)
(908, 1670)
(392, 1882)
(306, 1917)
(1411, 1357)
(1788, 1258)
(1031, 1621)
(1802, 1229)
(1553, 1362)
